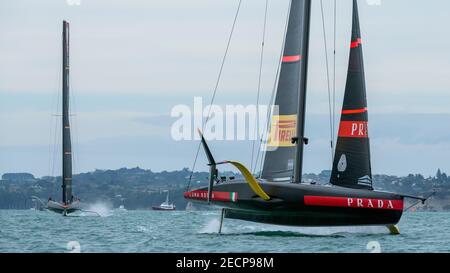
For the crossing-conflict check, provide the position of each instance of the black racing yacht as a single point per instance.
(278, 195)
(69, 203)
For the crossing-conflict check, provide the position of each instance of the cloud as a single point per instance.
(148, 47)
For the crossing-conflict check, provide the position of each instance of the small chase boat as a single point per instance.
(166, 206)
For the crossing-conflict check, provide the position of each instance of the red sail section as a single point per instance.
(355, 111)
(356, 43)
(291, 59)
(355, 129)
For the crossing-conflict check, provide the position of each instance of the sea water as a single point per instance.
(197, 231)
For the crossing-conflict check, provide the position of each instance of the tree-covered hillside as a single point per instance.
(140, 189)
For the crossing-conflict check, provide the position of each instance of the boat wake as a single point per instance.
(319, 231)
(212, 227)
(101, 209)
(142, 229)
(239, 228)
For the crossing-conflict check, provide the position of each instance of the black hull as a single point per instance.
(318, 218)
(63, 209)
(305, 205)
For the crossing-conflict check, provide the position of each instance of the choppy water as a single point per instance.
(153, 231)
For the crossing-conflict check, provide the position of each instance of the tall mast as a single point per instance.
(66, 141)
(283, 158)
(301, 140)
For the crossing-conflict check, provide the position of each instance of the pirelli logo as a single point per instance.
(282, 130)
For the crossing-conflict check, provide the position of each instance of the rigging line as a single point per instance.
(52, 131)
(421, 201)
(334, 74)
(256, 130)
(74, 119)
(328, 78)
(215, 89)
(412, 206)
(56, 124)
(269, 113)
(434, 193)
(74, 125)
(274, 90)
(56, 142)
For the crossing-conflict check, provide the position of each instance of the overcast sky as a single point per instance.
(133, 60)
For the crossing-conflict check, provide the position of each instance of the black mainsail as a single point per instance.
(66, 141)
(283, 159)
(351, 166)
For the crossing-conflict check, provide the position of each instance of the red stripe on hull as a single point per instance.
(353, 129)
(216, 196)
(292, 59)
(350, 202)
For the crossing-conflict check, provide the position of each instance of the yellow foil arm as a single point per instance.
(251, 180)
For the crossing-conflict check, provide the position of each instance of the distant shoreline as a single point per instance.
(139, 189)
